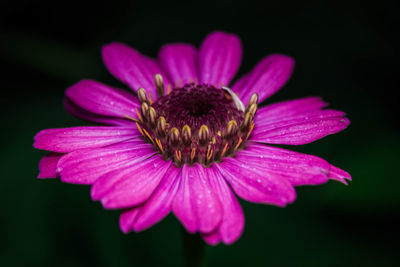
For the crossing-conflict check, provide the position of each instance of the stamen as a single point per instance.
(250, 130)
(194, 123)
(204, 135)
(224, 150)
(130, 118)
(178, 155)
(152, 116)
(246, 122)
(209, 153)
(174, 136)
(161, 127)
(231, 128)
(159, 81)
(144, 108)
(139, 116)
(186, 135)
(238, 144)
(148, 135)
(193, 154)
(140, 129)
(253, 109)
(253, 99)
(151, 101)
(158, 142)
(142, 95)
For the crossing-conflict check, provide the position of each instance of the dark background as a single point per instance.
(346, 53)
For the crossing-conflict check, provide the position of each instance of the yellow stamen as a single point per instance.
(140, 129)
(209, 153)
(169, 87)
(219, 133)
(130, 118)
(178, 155)
(250, 130)
(151, 101)
(159, 145)
(193, 153)
(148, 136)
(224, 150)
(238, 144)
(139, 115)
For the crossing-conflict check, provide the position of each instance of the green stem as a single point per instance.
(194, 250)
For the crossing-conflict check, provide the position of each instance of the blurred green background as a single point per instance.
(346, 53)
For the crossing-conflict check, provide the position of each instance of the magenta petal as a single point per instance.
(160, 202)
(297, 168)
(132, 68)
(253, 183)
(232, 223)
(69, 139)
(127, 218)
(196, 204)
(179, 62)
(299, 129)
(219, 58)
(131, 185)
(48, 165)
(84, 166)
(103, 100)
(284, 109)
(91, 117)
(266, 78)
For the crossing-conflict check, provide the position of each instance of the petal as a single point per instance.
(132, 185)
(127, 218)
(284, 109)
(48, 165)
(88, 116)
(179, 62)
(297, 168)
(300, 128)
(220, 55)
(253, 183)
(103, 100)
(232, 223)
(160, 203)
(85, 166)
(196, 205)
(69, 139)
(266, 78)
(132, 68)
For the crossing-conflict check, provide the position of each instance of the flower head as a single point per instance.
(186, 141)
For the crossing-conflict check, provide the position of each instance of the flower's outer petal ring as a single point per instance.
(48, 165)
(297, 168)
(254, 184)
(232, 223)
(85, 166)
(101, 99)
(91, 117)
(131, 185)
(220, 55)
(196, 204)
(267, 77)
(64, 140)
(132, 68)
(298, 129)
(160, 202)
(179, 62)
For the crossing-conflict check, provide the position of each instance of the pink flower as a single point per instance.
(187, 143)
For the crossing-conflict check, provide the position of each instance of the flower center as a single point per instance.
(196, 122)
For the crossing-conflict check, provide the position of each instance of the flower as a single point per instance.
(185, 142)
